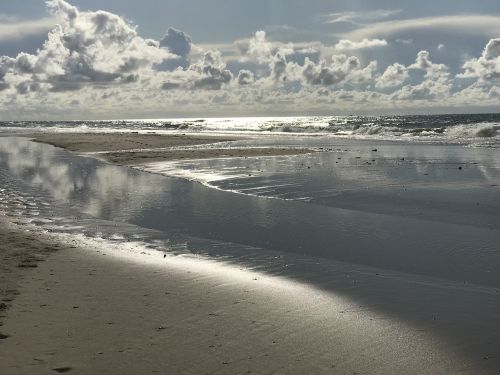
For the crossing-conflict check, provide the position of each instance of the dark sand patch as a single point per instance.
(20, 251)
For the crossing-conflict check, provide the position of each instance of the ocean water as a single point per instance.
(405, 225)
(476, 129)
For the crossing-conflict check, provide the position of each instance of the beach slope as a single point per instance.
(91, 308)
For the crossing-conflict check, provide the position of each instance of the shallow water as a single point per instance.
(437, 182)
(422, 215)
(406, 237)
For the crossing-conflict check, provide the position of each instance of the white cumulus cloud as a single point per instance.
(486, 67)
(349, 45)
(84, 48)
(395, 75)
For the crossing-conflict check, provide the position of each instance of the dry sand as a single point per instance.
(131, 148)
(89, 310)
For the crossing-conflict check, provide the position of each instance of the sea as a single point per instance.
(475, 129)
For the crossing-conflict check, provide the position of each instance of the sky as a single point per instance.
(109, 59)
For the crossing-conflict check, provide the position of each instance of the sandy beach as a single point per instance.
(86, 309)
(129, 148)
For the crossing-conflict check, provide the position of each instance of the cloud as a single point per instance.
(170, 85)
(299, 55)
(427, 90)
(84, 48)
(208, 73)
(6, 63)
(279, 67)
(15, 29)
(212, 71)
(492, 49)
(348, 45)
(464, 24)
(486, 67)
(259, 47)
(245, 77)
(177, 42)
(393, 76)
(95, 64)
(286, 65)
(63, 9)
(437, 80)
(27, 86)
(360, 17)
(180, 44)
(433, 71)
(330, 73)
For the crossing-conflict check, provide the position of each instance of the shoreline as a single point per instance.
(131, 149)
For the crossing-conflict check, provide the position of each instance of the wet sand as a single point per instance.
(20, 252)
(88, 310)
(95, 142)
(133, 149)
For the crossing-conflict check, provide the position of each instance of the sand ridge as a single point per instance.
(135, 148)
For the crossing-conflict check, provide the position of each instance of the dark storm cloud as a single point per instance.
(177, 42)
(245, 77)
(213, 72)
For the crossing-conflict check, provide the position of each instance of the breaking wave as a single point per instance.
(468, 129)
